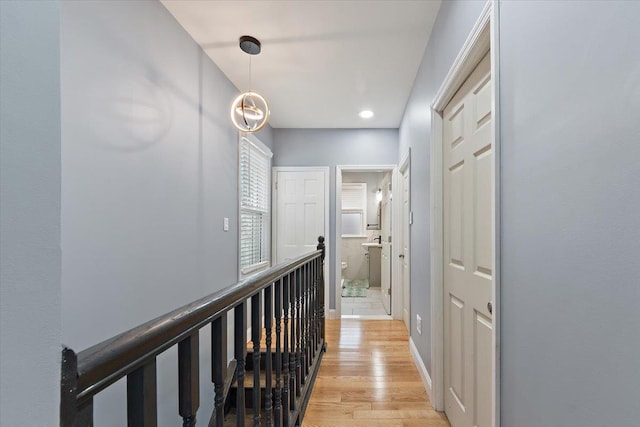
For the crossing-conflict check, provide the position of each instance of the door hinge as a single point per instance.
(276, 185)
(388, 291)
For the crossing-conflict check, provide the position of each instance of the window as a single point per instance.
(255, 204)
(354, 209)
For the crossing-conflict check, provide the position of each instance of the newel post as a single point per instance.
(72, 414)
(321, 247)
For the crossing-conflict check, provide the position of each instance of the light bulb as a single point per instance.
(366, 114)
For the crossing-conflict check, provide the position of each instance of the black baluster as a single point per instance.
(240, 351)
(189, 379)
(292, 353)
(142, 405)
(268, 322)
(314, 284)
(318, 296)
(321, 247)
(303, 331)
(309, 323)
(256, 334)
(312, 314)
(278, 391)
(285, 352)
(305, 318)
(297, 280)
(219, 361)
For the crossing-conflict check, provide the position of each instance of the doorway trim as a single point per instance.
(484, 37)
(274, 214)
(405, 166)
(396, 294)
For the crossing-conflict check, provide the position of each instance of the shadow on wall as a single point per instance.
(140, 111)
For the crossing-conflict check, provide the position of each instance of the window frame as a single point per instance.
(361, 187)
(244, 272)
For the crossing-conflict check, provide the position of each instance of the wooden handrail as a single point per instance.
(105, 363)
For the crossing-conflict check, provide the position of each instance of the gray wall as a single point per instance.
(149, 171)
(453, 25)
(570, 201)
(29, 213)
(331, 147)
(570, 213)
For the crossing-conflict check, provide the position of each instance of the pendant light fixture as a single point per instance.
(250, 110)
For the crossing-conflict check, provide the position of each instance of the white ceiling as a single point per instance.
(322, 61)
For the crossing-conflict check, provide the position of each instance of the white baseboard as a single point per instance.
(332, 314)
(424, 374)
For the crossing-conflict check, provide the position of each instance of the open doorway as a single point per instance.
(364, 230)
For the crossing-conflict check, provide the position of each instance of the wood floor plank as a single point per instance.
(368, 379)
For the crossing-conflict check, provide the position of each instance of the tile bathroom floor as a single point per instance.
(371, 305)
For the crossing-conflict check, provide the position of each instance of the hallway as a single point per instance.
(368, 379)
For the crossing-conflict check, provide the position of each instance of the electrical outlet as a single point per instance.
(419, 324)
(225, 224)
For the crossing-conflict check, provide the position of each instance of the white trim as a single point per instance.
(469, 56)
(483, 37)
(497, 147)
(254, 268)
(367, 316)
(361, 187)
(405, 166)
(256, 143)
(396, 264)
(244, 273)
(332, 314)
(424, 374)
(327, 212)
(405, 161)
(436, 252)
(395, 292)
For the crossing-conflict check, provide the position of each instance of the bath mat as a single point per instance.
(355, 288)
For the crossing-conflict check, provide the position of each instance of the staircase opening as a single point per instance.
(268, 381)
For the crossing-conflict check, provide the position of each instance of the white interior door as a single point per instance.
(385, 259)
(300, 211)
(468, 276)
(406, 277)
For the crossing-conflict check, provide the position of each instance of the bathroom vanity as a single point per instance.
(374, 251)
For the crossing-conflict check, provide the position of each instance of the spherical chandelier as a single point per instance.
(250, 110)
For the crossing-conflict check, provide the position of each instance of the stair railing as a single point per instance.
(287, 299)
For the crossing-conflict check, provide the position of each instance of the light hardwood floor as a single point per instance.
(367, 378)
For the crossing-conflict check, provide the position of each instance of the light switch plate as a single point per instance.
(225, 224)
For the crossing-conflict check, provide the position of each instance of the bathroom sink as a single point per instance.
(372, 245)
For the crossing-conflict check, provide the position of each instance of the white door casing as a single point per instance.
(404, 254)
(468, 251)
(385, 259)
(396, 291)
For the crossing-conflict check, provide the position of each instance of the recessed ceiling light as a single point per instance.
(366, 114)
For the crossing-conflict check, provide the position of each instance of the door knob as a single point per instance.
(490, 307)
(401, 256)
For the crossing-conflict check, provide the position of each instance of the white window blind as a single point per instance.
(255, 202)
(354, 209)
